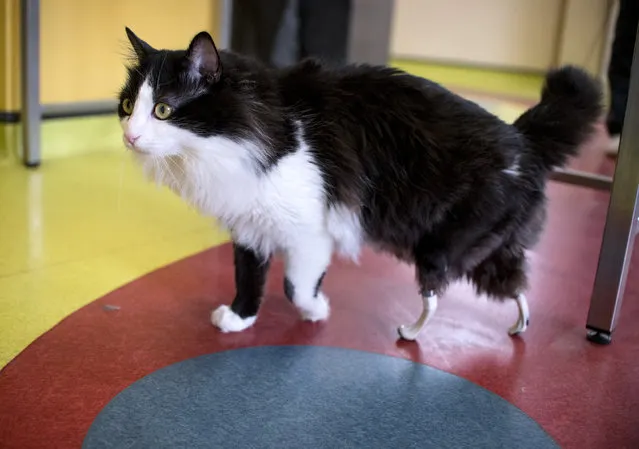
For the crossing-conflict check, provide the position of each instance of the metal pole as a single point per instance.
(582, 179)
(226, 24)
(621, 223)
(31, 113)
(370, 31)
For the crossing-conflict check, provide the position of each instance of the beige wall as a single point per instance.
(586, 34)
(516, 34)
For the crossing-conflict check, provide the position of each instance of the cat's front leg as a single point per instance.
(306, 264)
(250, 277)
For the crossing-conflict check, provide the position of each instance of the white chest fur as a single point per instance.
(265, 211)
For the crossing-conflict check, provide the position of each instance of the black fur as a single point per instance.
(250, 277)
(289, 288)
(558, 124)
(425, 168)
(318, 285)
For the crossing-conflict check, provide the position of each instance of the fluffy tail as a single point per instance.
(570, 106)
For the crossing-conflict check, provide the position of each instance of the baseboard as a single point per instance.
(518, 86)
(9, 117)
(66, 110)
(79, 109)
(64, 137)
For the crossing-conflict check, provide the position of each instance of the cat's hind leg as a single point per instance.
(440, 258)
(431, 272)
(306, 264)
(250, 277)
(502, 276)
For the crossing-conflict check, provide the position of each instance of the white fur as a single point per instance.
(317, 310)
(155, 137)
(306, 260)
(344, 225)
(281, 210)
(514, 169)
(228, 321)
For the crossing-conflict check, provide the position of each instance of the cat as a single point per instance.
(310, 160)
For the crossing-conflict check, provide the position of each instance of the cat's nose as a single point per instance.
(131, 138)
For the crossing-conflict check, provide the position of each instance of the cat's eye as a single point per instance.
(162, 111)
(127, 106)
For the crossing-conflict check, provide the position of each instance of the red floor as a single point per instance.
(585, 396)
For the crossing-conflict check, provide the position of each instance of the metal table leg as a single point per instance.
(31, 113)
(621, 223)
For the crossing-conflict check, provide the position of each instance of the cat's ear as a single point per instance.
(203, 58)
(140, 47)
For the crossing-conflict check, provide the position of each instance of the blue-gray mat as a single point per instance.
(309, 397)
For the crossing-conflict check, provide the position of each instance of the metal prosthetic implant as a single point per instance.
(411, 331)
(524, 315)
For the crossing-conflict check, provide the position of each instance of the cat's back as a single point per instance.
(386, 138)
(363, 117)
(373, 87)
(389, 106)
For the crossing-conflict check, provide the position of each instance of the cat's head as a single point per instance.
(174, 101)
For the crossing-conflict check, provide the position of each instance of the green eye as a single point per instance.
(127, 105)
(162, 111)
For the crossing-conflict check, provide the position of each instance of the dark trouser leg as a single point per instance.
(324, 29)
(260, 28)
(620, 62)
(250, 278)
(255, 26)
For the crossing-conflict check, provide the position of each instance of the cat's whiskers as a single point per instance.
(157, 79)
(166, 171)
(169, 178)
(173, 166)
(176, 162)
(136, 69)
(157, 171)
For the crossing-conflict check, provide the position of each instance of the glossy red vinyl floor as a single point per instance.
(585, 396)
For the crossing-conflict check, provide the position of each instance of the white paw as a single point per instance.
(315, 310)
(228, 321)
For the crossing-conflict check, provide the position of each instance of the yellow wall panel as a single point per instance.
(9, 55)
(83, 43)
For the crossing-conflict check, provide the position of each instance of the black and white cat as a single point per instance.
(311, 160)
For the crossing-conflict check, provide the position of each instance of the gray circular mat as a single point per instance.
(309, 397)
